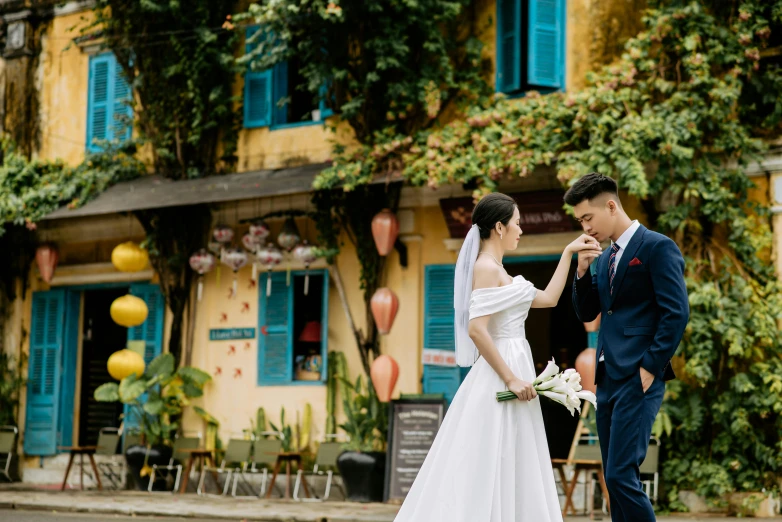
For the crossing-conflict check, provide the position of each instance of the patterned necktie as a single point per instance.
(612, 266)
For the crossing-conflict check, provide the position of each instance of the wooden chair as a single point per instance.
(236, 459)
(178, 457)
(8, 436)
(265, 452)
(325, 464)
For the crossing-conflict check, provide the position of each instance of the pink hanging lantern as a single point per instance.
(252, 244)
(384, 305)
(269, 256)
(235, 258)
(260, 230)
(585, 362)
(223, 234)
(384, 372)
(385, 229)
(46, 257)
(289, 236)
(306, 254)
(202, 262)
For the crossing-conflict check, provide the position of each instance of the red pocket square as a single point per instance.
(635, 262)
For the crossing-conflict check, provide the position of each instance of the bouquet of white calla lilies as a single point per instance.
(562, 387)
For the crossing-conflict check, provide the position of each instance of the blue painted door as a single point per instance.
(44, 373)
(439, 329)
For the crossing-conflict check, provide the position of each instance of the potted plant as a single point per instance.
(363, 463)
(156, 400)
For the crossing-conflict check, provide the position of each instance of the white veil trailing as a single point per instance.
(466, 351)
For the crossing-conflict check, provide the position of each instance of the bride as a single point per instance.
(490, 460)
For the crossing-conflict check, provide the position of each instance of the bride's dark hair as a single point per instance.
(493, 208)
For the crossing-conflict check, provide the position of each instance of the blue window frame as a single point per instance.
(282, 317)
(109, 112)
(271, 101)
(530, 45)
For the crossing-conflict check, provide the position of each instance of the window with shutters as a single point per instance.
(273, 98)
(109, 114)
(293, 328)
(530, 46)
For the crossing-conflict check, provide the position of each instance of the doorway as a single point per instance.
(101, 337)
(552, 332)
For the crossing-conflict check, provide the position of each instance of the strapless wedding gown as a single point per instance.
(490, 460)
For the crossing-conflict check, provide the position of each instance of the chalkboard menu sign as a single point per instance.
(412, 427)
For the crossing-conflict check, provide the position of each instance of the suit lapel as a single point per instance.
(627, 256)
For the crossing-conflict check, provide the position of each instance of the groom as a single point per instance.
(639, 289)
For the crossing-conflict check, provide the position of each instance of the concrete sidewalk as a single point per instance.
(192, 506)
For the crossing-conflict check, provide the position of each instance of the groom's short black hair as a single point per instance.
(589, 187)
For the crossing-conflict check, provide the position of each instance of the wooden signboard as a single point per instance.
(412, 427)
(540, 212)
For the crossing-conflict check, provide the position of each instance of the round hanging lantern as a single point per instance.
(384, 306)
(260, 230)
(223, 234)
(46, 257)
(250, 242)
(269, 256)
(235, 258)
(125, 362)
(129, 257)
(585, 366)
(384, 373)
(305, 253)
(202, 262)
(385, 229)
(289, 236)
(129, 311)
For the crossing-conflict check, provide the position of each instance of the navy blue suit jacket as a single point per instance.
(643, 321)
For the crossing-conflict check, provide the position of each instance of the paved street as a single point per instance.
(45, 516)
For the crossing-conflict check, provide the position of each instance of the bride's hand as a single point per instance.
(584, 243)
(523, 389)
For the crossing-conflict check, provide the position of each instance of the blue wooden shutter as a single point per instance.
(546, 63)
(439, 329)
(280, 91)
(122, 112)
(508, 45)
(275, 321)
(99, 106)
(43, 379)
(70, 346)
(150, 331)
(257, 91)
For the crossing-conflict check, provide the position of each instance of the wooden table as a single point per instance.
(81, 451)
(203, 456)
(287, 458)
(578, 467)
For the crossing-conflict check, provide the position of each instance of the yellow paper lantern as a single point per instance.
(129, 257)
(124, 362)
(129, 311)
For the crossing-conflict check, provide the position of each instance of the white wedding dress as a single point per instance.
(490, 460)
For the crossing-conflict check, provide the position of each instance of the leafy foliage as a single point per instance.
(366, 417)
(676, 120)
(180, 63)
(168, 392)
(11, 383)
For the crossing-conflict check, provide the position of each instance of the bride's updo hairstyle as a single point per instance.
(493, 208)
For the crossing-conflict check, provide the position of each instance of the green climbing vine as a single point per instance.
(676, 119)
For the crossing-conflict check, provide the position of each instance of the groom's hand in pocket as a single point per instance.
(646, 379)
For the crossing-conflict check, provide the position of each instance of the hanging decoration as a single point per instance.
(129, 257)
(259, 230)
(202, 262)
(288, 239)
(252, 244)
(235, 258)
(269, 256)
(585, 362)
(222, 235)
(385, 229)
(46, 257)
(305, 253)
(129, 311)
(384, 373)
(125, 362)
(384, 305)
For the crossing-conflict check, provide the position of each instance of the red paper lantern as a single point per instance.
(384, 306)
(384, 373)
(46, 257)
(585, 366)
(385, 229)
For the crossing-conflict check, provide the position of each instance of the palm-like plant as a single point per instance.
(367, 417)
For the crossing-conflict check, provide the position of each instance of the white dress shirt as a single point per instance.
(623, 241)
